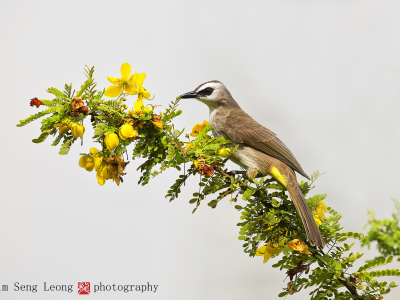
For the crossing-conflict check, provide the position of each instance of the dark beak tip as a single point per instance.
(188, 95)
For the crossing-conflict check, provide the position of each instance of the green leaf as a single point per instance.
(99, 129)
(37, 116)
(213, 203)
(42, 137)
(247, 194)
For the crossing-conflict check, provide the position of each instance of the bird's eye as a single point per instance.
(208, 91)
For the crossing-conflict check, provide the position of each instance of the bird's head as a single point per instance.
(213, 93)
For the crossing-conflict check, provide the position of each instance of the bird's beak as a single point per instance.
(191, 94)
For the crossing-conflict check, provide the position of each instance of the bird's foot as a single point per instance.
(233, 174)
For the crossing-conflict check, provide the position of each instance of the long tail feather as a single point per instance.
(312, 231)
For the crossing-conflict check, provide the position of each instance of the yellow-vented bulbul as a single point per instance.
(259, 150)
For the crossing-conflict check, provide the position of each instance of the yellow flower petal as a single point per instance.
(94, 150)
(107, 173)
(147, 110)
(111, 140)
(306, 251)
(224, 152)
(204, 124)
(267, 256)
(198, 128)
(97, 161)
(125, 71)
(77, 130)
(321, 208)
(139, 78)
(261, 251)
(274, 250)
(138, 105)
(267, 251)
(122, 136)
(130, 89)
(100, 179)
(113, 91)
(114, 80)
(126, 131)
(318, 220)
(90, 166)
(63, 128)
(82, 161)
(145, 93)
(299, 246)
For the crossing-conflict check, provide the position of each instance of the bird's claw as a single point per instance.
(233, 174)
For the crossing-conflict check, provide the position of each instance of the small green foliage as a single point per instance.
(385, 232)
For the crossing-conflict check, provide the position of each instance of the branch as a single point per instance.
(351, 289)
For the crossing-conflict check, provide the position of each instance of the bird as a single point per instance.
(260, 151)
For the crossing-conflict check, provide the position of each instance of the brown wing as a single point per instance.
(242, 128)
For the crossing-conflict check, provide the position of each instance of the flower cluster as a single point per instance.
(203, 153)
(91, 161)
(115, 129)
(198, 128)
(320, 209)
(77, 129)
(114, 168)
(299, 246)
(267, 251)
(203, 168)
(131, 85)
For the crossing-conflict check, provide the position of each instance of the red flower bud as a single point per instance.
(35, 101)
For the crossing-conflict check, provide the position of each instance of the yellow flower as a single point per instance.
(104, 174)
(116, 166)
(188, 146)
(299, 246)
(77, 129)
(321, 208)
(100, 179)
(318, 220)
(198, 128)
(127, 132)
(224, 152)
(98, 158)
(157, 122)
(107, 173)
(91, 161)
(139, 89)
(267, 251)
(64, 128)
(138, 106)
(125, 83)
(147, 110)
(87, 162)
(111, 140)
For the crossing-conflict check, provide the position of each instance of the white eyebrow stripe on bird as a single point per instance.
(203, 85)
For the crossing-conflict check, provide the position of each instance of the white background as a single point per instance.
(323, 75)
